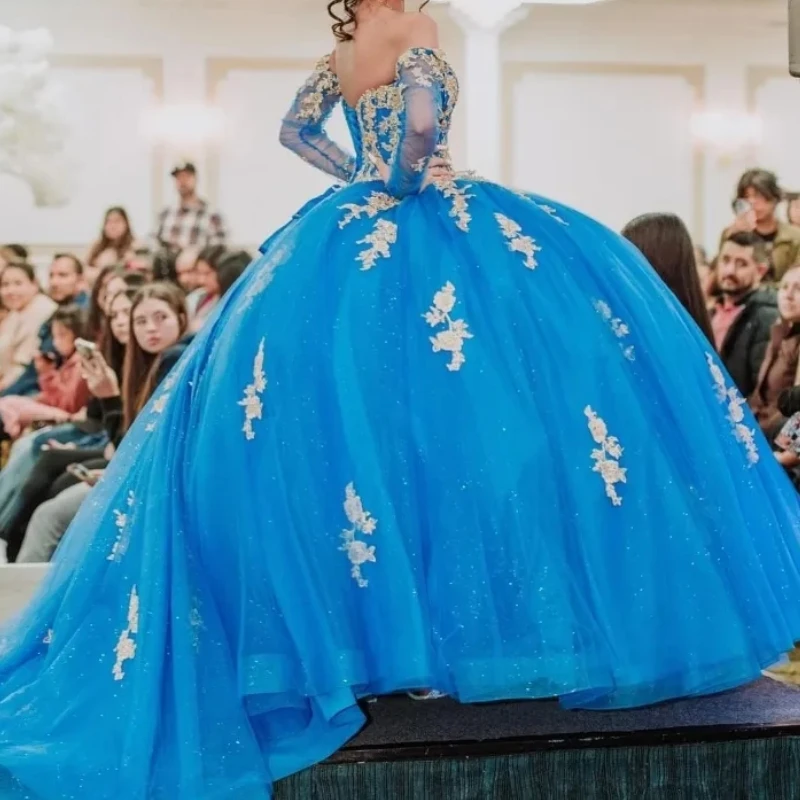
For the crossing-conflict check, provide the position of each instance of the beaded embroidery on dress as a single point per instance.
(452, 437)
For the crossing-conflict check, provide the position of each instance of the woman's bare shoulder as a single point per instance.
(418, 30)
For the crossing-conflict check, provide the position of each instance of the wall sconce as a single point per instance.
(727, 134)
(180, 125)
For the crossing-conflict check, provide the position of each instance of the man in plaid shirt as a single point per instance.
(191, 223)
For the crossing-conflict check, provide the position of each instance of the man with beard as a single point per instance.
(745, 314)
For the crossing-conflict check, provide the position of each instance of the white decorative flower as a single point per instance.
(33, 131)
(358, 552)
(445, 299)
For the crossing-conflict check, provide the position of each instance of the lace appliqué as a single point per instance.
(126, 646)
(264, 276)
(160, 403)
(452, 340)
(518, 243)
(606, 457)
(321, 84)
(618, 327)
(551, 212)
(735, 403)
(253, 407)
(362, 522)
(48, 637)
(376, 203)
(381, 109)
(459, 198)
(196, 626)
(380, 241)
(383, 235)
(123, 520)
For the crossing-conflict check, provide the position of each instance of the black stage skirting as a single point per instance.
(742, 745)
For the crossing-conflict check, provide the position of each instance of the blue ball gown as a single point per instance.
(460, 438)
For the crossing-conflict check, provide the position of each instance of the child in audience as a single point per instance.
(63, 389)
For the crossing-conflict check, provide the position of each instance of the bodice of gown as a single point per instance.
(378, 119)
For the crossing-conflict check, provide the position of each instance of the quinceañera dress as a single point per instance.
(459, 438)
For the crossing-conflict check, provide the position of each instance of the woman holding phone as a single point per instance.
(156, 319)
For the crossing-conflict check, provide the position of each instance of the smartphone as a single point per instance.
(741, 207)
(82, 473)
(86, 349)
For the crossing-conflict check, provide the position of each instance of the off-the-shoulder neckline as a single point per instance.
(436, 51)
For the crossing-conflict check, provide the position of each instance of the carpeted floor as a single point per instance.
(400, 720)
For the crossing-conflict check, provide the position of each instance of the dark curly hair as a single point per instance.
(349, 19)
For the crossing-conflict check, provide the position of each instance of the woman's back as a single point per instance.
(369, 60)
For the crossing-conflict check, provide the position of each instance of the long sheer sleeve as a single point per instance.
(303, 128)
(419, 72)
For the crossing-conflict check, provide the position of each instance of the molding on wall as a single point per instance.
(694, 75)
(217, 71)
(151, 67)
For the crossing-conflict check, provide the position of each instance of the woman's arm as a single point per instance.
(303, 128)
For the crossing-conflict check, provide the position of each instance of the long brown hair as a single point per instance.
(665, 242)
(140, 368)
(104, 243)
(344, 26)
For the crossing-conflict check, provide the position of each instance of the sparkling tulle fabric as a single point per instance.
(462, 439)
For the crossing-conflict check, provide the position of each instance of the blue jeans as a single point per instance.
(23, 458)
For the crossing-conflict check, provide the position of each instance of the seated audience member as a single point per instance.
(79, 434)
(666, 244)
(793, 208)
(110, 282)
(186, 273)
(141, 263)
(114, 246)
(231, 267)
(11, 253)
(65, 286)
(746, 311)
(757, 197)
(164, 268)
(779, 369)
(28, 309)
(158, 323)
(63, 388)
(207, 280)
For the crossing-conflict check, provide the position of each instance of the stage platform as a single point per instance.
(743, 745)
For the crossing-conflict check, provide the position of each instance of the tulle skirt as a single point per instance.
(468, 442)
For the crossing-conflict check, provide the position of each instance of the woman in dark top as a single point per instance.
(158, 322)
(667, 245)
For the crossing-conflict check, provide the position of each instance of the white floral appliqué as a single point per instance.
(730, 396)
(160, 403)
(451, 340)
(126, 645)
(363, 522)
(606, 457)
(48, 637)
(460, 201)
(122, 519)
(253, 407)
(518, 243)
(196, 625)
(552, 213)
(377, 203)
(618, 327)
(380, 241)
(384, 233)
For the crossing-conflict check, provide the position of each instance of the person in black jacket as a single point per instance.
(744, 317)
